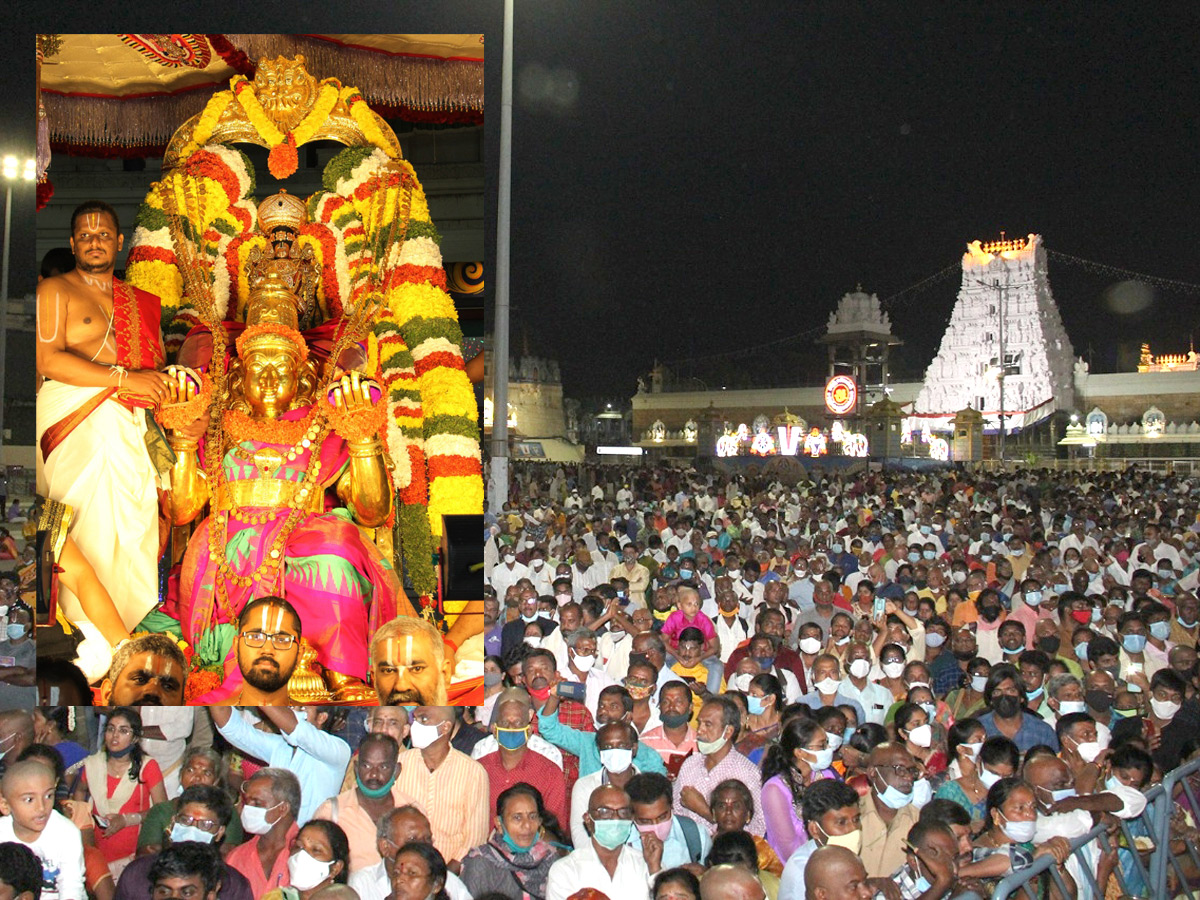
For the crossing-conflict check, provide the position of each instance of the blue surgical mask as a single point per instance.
(928, 554)
(835, 548)
(1133, 643)
(755, 705)
(922, 885)
(181, 833)
(611, 833)
(511, 738)
(894, 797)
(1158, 630)
(15, 632)
(925, 529)
(914, 556)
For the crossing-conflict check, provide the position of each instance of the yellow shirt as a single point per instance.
(883, 844)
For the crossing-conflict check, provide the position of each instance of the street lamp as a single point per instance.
(498, 489)
(12, 171)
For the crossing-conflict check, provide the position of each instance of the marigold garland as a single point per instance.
(282, 330)
(364, 117)
(358, 424)
(239, 427)
(177, 415)
(283, 160)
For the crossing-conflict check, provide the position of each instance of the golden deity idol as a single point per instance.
(288, 495)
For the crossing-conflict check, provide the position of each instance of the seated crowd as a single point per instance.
(240, 803)
(879, 684)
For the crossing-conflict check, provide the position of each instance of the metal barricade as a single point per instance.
(1164, 806)
(1021, 880)
(1155, 822)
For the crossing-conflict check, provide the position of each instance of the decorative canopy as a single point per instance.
(125, 93)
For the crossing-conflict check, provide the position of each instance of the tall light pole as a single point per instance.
(498, 488)
(12, 172)
(1003, 368)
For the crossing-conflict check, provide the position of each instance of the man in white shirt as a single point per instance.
(581, 667)
(606, 862)
(402, 825)
(509, 571)
(26, 796)
(165, 732)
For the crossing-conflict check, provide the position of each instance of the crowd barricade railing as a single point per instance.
(1021, 879)
(1152, 826)
(1164, 806)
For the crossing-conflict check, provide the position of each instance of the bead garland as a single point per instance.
(267, 573)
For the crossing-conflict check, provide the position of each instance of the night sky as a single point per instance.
(693, 178)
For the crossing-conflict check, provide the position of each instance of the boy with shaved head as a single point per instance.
(27, 802)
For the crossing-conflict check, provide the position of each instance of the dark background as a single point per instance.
(695, 178)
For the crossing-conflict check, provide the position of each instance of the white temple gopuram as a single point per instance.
(1005, 352)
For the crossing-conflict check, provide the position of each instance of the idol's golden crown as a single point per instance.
(282, 210)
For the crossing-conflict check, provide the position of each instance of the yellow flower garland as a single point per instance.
(326, 99)
(364, 117)
(208, 119)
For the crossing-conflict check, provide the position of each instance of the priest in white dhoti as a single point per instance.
(98, 348)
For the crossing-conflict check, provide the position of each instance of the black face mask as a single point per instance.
(1100, 701)
(1006, 706)
(674, 720)
(989, 613)
(1049, 644)
(964, 655)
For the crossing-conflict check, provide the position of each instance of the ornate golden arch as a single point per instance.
(287, 94)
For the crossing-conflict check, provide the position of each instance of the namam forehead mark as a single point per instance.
(93, 220)
(392, 655)
(159, 667)
(266, 618)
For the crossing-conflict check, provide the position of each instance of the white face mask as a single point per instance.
(1021, 832)
(584, 663)
(254, 819)
(922, 735)
(988, 777)
(810, 645)
(423, 735)
(819, 759)
(860, 668)
(972, 750)
(893, 669)
(616, 759)
(306, 871)
(1067, 707)
(828, 686)
(1164, 709)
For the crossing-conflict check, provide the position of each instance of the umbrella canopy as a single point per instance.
(124, 94)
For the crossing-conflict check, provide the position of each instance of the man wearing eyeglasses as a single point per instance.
(202, 814)
(607, 862)
(887, 811)
(268, 647)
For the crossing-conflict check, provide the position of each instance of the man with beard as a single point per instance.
(268, 648)
(146, 671)
(410, 664)
(99, 346)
